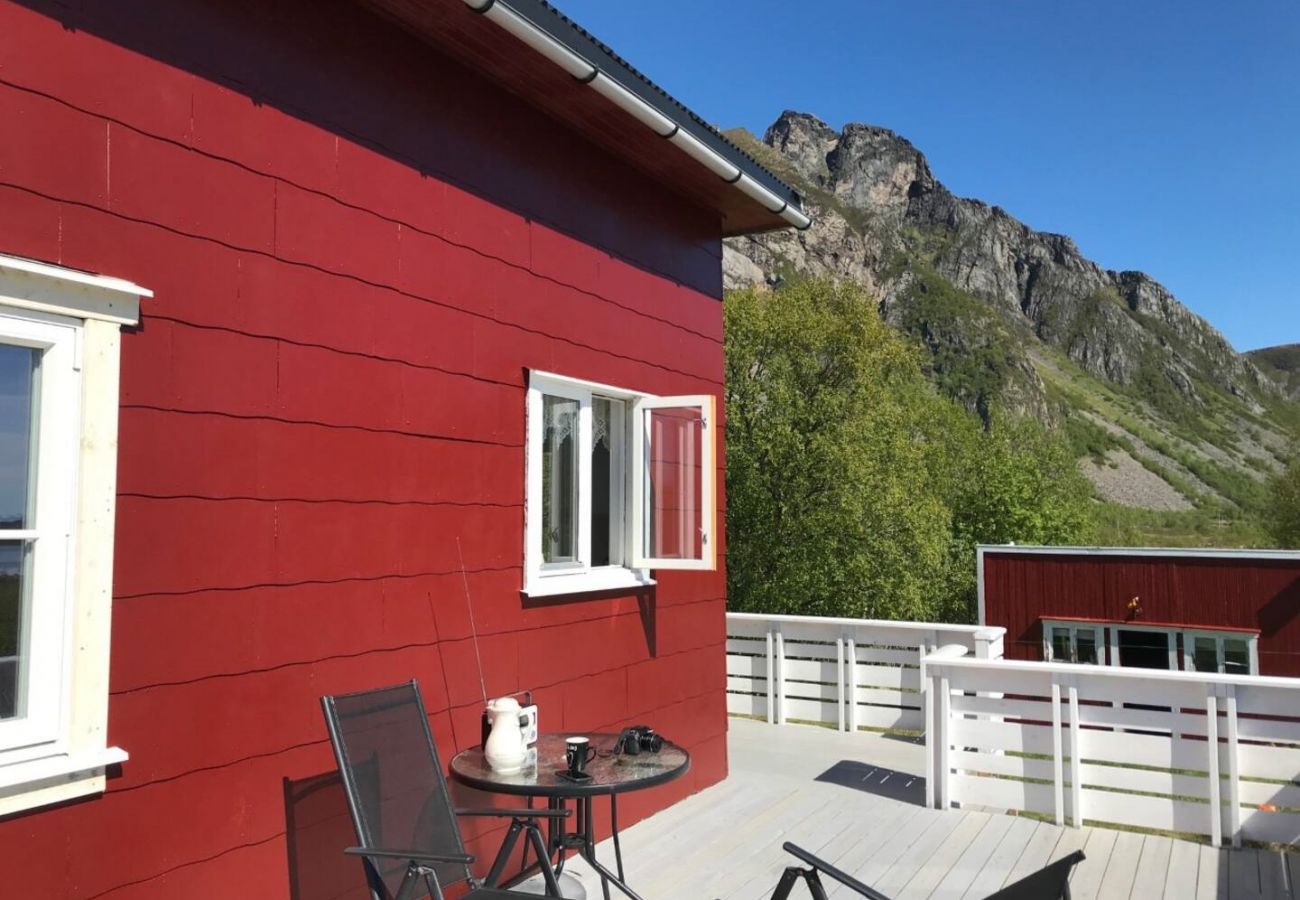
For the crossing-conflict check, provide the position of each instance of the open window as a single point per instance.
(618, 483)
(672, 493)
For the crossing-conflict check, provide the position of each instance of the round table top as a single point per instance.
(610, 773)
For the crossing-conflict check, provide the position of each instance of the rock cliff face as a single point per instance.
(1009, 313)
(1282, 364)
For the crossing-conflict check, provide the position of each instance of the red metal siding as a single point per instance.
(353, 272)
(1220, 592)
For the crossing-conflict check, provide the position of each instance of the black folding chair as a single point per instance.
(1050, 883)
(408, 831)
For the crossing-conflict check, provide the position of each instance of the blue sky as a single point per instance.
(1161, 135)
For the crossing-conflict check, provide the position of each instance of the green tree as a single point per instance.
(853, 487)
(1283, 512)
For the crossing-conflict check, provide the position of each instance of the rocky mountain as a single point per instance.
(1164, 412)
(1282, 364)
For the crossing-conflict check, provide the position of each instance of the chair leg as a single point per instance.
(814, 884)
(793, 874)
(543, 858)
(784, 886)
(415, 873)
(503, 855)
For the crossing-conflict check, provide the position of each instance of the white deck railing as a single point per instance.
(847, 672)
(1217, 755)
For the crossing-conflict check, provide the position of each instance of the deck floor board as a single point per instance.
(801, 784)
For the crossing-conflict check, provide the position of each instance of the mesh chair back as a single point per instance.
(396, 789)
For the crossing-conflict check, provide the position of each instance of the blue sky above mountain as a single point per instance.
(1163, 136)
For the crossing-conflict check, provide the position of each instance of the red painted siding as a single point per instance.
(1219, 592)
(358, 249)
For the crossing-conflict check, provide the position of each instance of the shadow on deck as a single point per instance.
(857, 801)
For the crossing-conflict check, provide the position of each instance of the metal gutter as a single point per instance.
(534, 23)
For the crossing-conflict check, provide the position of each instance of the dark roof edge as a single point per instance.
(608, 66)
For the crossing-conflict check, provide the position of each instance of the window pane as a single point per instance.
(1144, 649)
(1205, 657)
(15, 612)
(1236, 657)
(674, 486)
(1060, 645)
(609, 428)
(559, 480)
(1087, 646)
(18, 371)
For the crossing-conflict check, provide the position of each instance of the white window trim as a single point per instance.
(1177, 661)
(1250, 638)
(635, 572)
(640, 448)
(75, 763)
(1171, 643)
(1097, 629)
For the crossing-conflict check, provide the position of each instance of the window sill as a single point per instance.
(54, 779)
(614, 578)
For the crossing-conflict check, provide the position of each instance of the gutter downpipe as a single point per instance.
(580, 69)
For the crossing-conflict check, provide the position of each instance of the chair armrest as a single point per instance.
(413, 855)
(827, 869)
(515, 813)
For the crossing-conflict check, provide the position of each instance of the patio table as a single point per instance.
(611, 774)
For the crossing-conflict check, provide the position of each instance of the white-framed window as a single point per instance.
(1228, 653)
(1156, 646)
(60, 336)
(618, 483)
(1073, 642)
(39, 432)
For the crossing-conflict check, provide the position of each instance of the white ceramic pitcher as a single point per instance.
(505, 748)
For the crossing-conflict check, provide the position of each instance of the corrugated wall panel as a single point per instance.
(1221, 592)
(358, 249)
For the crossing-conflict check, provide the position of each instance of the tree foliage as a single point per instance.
(853, 487)
(1283, 511)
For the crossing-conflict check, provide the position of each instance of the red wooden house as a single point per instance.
(421, 275)
(1233, 611)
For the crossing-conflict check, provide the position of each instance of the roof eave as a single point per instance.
(539, 26)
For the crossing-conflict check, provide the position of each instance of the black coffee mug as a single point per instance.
(577, 753)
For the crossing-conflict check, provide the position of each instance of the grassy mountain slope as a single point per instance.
(1282, 364)
(1176, 430)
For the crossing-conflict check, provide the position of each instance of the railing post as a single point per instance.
(1058, 775)
(1076, 756)
(1212, 745)
(771, 678)
(852, 651)
(839, 682)
(780, 676)
(943, 709)
(1234, 779)
(934, 732)
(988, 644)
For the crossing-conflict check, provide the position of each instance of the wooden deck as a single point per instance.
(821, 789)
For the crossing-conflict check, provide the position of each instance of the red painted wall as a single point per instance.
(357, 248)
(1020, 589)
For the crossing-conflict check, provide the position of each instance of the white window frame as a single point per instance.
(1251, 640)
(1171, 642)
(62, 752)
(542, 579)
(640, 511)
(1098, 631)
(56, 415)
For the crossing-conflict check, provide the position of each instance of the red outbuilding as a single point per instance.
(392, 293)
(1232, 611)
